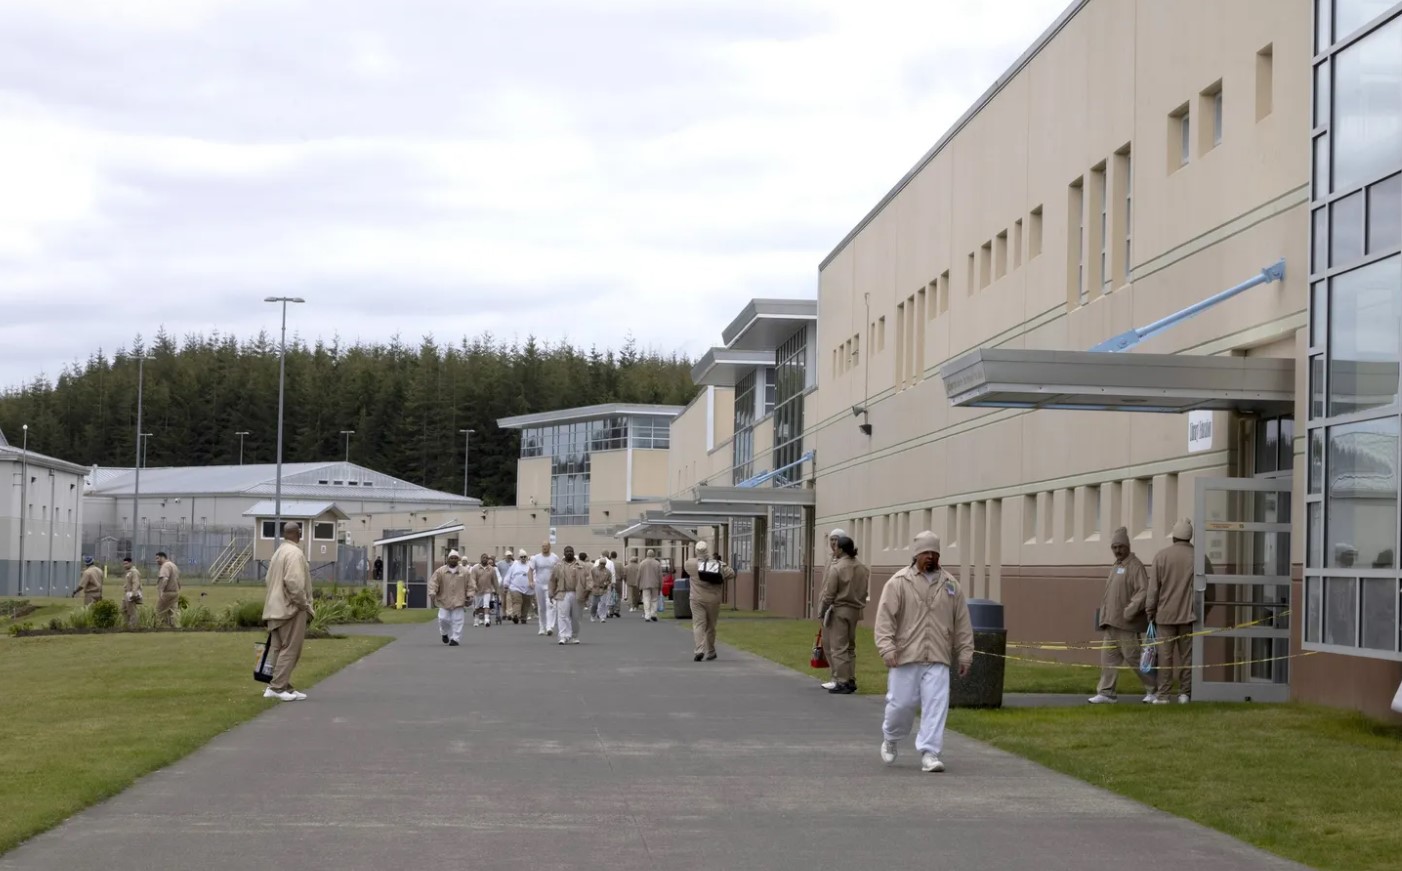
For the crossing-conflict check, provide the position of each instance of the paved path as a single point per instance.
(619, 754)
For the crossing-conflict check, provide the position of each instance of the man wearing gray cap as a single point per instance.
(709, 575)
(833, 555)
(90, 583)
(1122, 619)
(1171, 610)
(649, 581)
(840, 605)
(922, 629)
(450, 588)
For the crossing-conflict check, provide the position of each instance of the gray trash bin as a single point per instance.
(983, 688)
(681, 598)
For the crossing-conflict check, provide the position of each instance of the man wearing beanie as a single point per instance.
(90, 583)
(833, 554)
(1122, 619)
(922, 628)
(649, 584)
(1171, 609)
(449, 588)
(568, 581)
(840, 605)
(484, 581)
(709, 577)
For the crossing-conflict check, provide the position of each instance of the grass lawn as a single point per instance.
(94, 713)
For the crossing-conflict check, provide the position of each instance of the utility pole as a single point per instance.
(241, 434)
(466, 448)
(136, 487)
(347, 433)
(281, 396)
(23, 502)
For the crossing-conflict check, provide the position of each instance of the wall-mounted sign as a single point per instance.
(552, 535)
(1199, 431)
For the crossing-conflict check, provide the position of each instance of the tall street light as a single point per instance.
(347, 433)
(281, 396)
(145, 448)
(136, 487)
(23, 501)
(241, 433)
(467, 435)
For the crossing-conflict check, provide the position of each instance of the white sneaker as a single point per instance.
(561, 641)
(271, 693)
(541, 632)
(1159, 701)
(1183, 699)
(296, 696)
(888, 752)
(1101, 699)
(828, 684)
(549, 632)
(574, 641)
(1149, 699)
(931, 763)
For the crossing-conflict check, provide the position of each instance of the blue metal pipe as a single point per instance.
(1125, 341)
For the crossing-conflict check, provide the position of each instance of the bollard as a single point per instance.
(401, 596)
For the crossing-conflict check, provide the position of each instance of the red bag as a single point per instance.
(667, 581)
(820, 657)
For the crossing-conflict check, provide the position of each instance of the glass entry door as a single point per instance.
(1242, 556)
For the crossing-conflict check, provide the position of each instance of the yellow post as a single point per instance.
(401, 596)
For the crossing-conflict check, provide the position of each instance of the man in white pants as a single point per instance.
(542, 567)
(922, 628)
(650, 582)
(450, 588)
(568, 582)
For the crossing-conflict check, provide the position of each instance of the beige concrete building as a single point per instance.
(1152, 180)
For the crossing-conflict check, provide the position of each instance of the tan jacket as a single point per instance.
(484, 579)
(1122, 604)
(569, 578)
(449, 588)
(650, 575)
(631, 570)
(90, 583)
(289, 583)
(168, 580)
(845, 584)
(131, 584)
(693, 568)
(922, 621)
(600, 579)
(1170, 597)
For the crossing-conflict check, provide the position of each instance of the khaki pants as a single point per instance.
(90, 597)
(286, 648)
(705, 611)
(1175, 654)
(1122, 649)
(636, 599)
(130, 610)
(516, 605)
(166, 605)
(840, 643)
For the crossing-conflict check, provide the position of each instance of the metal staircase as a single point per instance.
(230, 561)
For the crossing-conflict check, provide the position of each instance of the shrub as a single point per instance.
(329, 614)
(365, 606)
(146, 617)
(104, 614)
(80, 618)
(17, 628)
(57, 624)
(183, 603)
(12, 607)
(249, 616)
(197, 618)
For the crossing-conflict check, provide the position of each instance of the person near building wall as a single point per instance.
(709, 576)
(484, 581)
(568, 581)
(649, 581)
(1122, 620)
(287, 608)
(89, 582)
(450, 588)
(1171, 609)
(600, 580)
(630, 584)
(840, 605)
(923, 629)
(542, 568)
(131, 593)
(168, 587)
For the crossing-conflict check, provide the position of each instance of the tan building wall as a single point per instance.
(608, 487)
(690, 460)
(533, 483)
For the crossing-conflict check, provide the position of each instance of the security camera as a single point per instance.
(858, 410)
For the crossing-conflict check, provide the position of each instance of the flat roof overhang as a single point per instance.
(1091, 381)
(656, 531)
(763, 497)
(711, 514)
(724, 367)
(418, 536)
(765, 324)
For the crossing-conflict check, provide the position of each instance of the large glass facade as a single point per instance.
(1355, 419)
(791, 375)
(569, 446)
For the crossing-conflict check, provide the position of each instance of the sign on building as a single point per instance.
(1199, 431)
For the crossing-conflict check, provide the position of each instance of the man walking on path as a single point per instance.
(1122, 618)
(518, 584)
(450, 588)
(631, 574)
(131, 593)
(287, 610)
(601, 579)
(709, 575)
(922, 628)
(89, 583)
(1171, 610)
(542, 568)
(840, 605)
(484, 581)
(168, 588)
(568, 581)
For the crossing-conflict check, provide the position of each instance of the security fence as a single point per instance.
(222, 554)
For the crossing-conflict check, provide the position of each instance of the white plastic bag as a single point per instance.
(1149, 659)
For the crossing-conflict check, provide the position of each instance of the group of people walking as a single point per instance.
(93, 579)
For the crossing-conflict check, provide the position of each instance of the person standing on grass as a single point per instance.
(484, 581)
(922, 629)
(89, 583)
(131, 593)
(600, 580)
(568, 581)
(840, 605)
(518, 585)
(1123, 620)
(542, 567)
(287, 609)
(450, 588)
(168, 588)
(711, 575)
(1171, 609)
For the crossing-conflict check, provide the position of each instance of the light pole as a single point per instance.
(136, 486)
(281, 392)
(241, 433)
(145, 448)
(347, 433)
(466, 445)
(23, 501)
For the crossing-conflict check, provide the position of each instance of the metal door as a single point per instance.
(1242, 580)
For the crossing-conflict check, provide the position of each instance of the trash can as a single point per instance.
(681, 598)
(983, 687)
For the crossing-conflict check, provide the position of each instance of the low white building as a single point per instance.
(41, 517)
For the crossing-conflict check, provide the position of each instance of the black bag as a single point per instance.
(709, 572)
(263, 665)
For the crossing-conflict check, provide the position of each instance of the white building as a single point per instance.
(41, 516)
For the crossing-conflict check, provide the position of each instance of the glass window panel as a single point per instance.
(1314, 600)
(1321, 166)
(1267, 445)
(1317, 386)
(1367, 127)
(1379, 613)
(1346, 230)
(1361, 497)
(1314, 557)
(1316, 460)
(1340, 612)
(1349, 15)
(1323, 20)
(1385, 215)
(1319, 302)
(1286, 458)
(1322, 92)
(1364, 323)
(1319, 240)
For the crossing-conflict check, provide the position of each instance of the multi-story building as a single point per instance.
(41, 521)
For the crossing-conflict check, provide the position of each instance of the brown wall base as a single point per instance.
(1353, 682)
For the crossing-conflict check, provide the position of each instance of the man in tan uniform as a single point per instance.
(630, 585)
(601, 579)
(650, 584)
(449, 589)
(167, 590)
(1122, 619)
(923, 629)
(708, 578)
(131, 593)
(569, 580)
(484, 581)
(286, 610)
(1171, 609)
(840, 606)
(90, 582)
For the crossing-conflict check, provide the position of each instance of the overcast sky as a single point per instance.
(569, 169)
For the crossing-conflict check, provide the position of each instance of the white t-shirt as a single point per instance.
(517, 578)
(544, 567)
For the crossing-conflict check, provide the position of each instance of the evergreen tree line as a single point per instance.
(405, 404)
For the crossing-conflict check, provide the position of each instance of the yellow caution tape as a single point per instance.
(1101, 645)
(1135, 668)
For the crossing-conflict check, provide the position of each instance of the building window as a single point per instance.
(1179, 138)
(1076, 242)
(324, 531)
(1102, 227)
(921, 306)
(1017, 243)
(972, 281)
(1122, 226)
(944, 291)
(1034, 233)
(1367, 101)
(651, 432)
(742, 544)
(1210, 111)
(786, 539)
(1265, 82)
(1000, 255)
(901, 372)
(742, 445)
(269, 530)
(985, 261)
(569, 472)
(792, 378)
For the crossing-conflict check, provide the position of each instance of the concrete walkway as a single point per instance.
(513, 753)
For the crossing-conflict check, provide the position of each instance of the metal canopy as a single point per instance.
(417, 536)
(760, 498)
(1091, 381)
(724, 367)
(656, 532)
(711, 513)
